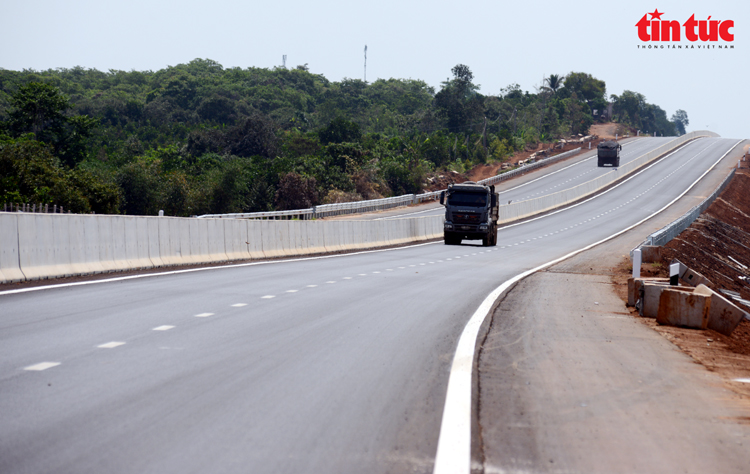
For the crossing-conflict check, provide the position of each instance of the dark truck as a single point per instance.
(608, 153)
(471, 212)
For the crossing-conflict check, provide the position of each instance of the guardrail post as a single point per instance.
(637, 263)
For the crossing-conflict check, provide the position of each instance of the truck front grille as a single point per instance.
(465, 218)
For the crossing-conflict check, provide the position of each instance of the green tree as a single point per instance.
(340, 130)
(554, 82)
(458, 101)
(680, 120)
(40, 109)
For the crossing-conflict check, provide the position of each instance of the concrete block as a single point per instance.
(235, 238)
(85, 241)
(693, 278)
(723, 316)
(199, 252)
(106, 243)
(215, 240)
(41, 252)
(272, 239)
(180, 230)
(650, 294)
(650, 253)
(154, 252)
(635, 285)
(681, 308)
(254, 240)
(10, 265)
(169, 240)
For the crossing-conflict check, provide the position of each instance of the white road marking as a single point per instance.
(347, 278)
(163, 328)
(362, 274)
(454, 443)
(331, 281)
(292, 291)
(267, 297)
(312, 286)
(111, 345)
(42, 366)
(239, 305)
(204, 315)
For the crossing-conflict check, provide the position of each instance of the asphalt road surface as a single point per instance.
(334, 364)
(537, 183)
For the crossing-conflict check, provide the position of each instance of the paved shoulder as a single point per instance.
(570, 382)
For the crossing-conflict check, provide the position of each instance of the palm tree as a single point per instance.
(554, 82)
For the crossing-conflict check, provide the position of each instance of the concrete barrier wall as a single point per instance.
(36, 246)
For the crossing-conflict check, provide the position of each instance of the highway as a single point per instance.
(332, 364)
(538, 183)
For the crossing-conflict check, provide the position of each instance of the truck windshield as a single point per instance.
(467, 199)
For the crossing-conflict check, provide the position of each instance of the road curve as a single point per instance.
(333, 364)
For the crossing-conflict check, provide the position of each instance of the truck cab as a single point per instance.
(471, 213)
(608, 153)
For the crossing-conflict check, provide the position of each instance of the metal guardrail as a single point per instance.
(356, 207)
(670, 231)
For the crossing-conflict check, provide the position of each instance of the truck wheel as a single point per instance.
(487, 240)
(494, 237)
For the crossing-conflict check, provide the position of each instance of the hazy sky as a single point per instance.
(502, 42)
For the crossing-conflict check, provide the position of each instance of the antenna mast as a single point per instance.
(365, 63)
(283, 61)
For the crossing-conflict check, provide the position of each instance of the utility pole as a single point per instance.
(365, 63)
(283, 61)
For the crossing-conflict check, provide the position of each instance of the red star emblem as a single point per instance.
(656, 15)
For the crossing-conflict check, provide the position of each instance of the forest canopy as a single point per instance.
(199, 138)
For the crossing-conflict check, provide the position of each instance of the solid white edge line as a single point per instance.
(454, 443)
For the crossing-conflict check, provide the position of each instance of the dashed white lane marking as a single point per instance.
(412, 266)
(375, 272)
(362, 274)
(163, 328)
(389, 269)
(401, 268)
(347, 278)
(239, 305)
(111, 345)
(312, 286)
(331, 281)
(204, 315)
(267, 297)
(42, 366)
(292, 291)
